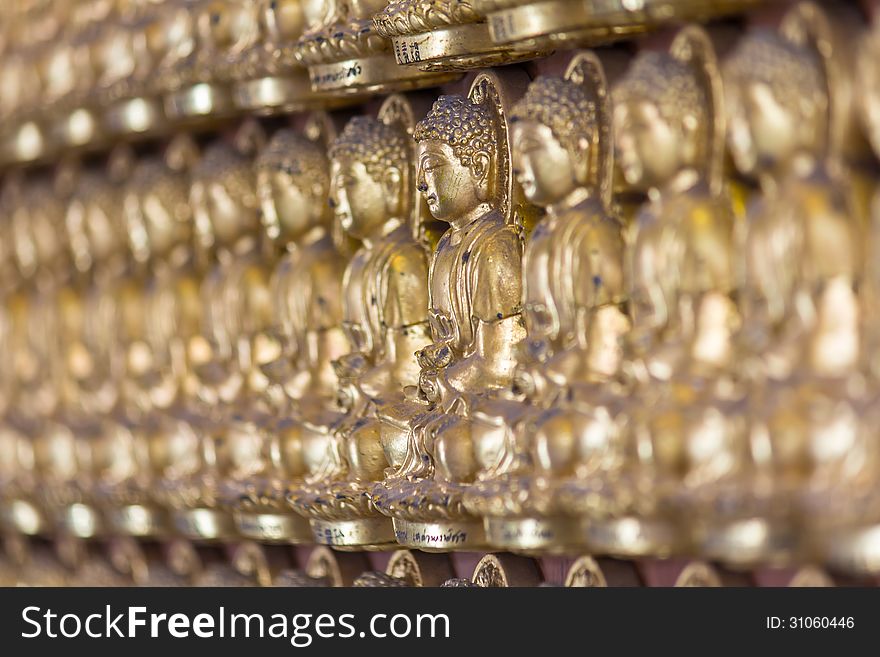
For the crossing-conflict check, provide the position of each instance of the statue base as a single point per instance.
(204, 524)
(135, 116)
(456, 48)
(274, 94)
(200, 101)
(79, 520)
(22, 517)
(137, 520)
(750, 541)
(357, 534)
(377, 74)
(535, 534)
(440, 536)
(556, 22)
(272, 527)
(630, 536)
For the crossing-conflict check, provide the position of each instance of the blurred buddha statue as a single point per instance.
(345, 54)
(131, 53)
(294, 357)
(475, 310)
(19, 512)
(799, 344)
(573, 295)
(235, 306)
(159, 340)
(841, 510)
(627, 453)
(385, 315)
(270, 78)
(199, 69)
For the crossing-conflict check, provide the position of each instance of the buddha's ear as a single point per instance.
(581, 156)
(481, 165)
(391, 180)
(690, 126)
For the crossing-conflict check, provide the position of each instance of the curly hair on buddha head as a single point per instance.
(466, 127)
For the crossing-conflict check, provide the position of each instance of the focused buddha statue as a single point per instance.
(385, 314)
(235, 307)
(573, 295)
(475, 310)
(799, 344)
(294, 357)
(345, 54)
(443, 35)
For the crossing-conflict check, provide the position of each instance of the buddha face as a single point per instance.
(288, 210)
(649, 150)
(360, 202)
(231, 214)
(761, 131)
(543, 167)
(451, 189)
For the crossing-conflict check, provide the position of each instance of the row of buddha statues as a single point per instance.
(81, 73)
(560, 315)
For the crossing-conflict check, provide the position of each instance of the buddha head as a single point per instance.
(777, 102)
(662, 118)
(369, 176)
(455, 156)
(39, 226)
(285, 20)
(552, 132)
(157, 208)
(95, 217)
(223, 196)
(293, 183)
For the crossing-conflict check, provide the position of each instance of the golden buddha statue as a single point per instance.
(443, 35)
(271, 77)
(345, 54)
(130, 52)
(19, 513)
(158, 331)
(235, 306)
(475, 304)
(605, 453)
(385, 302)
(72, 72)
(200, 66)
(294, 356)
(54, 323)
(573, 295)
(840, 508)
(799, 344)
